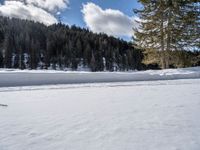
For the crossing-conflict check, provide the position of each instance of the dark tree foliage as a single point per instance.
(29, 45)
(168, 25)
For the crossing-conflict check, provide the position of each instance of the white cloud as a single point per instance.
(50, 5)
(36, 10)
(112, 22)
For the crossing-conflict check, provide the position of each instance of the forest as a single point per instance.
(31, 45)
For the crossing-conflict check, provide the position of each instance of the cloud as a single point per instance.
(37, 10)
(50, 5)
(112, 22)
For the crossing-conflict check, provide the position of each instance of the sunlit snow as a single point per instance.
(148, 115)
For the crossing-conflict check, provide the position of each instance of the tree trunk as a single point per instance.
(169, 28)
(163, 58)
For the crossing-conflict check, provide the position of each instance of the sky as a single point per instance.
(113, 17)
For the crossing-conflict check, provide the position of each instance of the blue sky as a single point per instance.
(73, 15)
(113, 17)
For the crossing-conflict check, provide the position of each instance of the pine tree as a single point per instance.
(8, 51)
(1, 60)
(93, 63)
(150, 34)
(167, 25)
(190, 38)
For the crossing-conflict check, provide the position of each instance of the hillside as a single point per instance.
(29, 45)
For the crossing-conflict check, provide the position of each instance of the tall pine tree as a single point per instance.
(166, 25)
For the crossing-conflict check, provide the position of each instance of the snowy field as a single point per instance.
(43, 77)
(145, 115)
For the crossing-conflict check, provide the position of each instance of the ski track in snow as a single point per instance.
(148, 115)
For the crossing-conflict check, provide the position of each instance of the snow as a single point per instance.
(145, 115)
(9, 77)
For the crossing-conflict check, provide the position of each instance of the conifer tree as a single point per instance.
(167, 25)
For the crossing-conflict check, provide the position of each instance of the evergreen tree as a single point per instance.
(1, 60)
(8, 53)
(167, 25)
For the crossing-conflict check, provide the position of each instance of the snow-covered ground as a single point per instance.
(145, 115)
(42, 77)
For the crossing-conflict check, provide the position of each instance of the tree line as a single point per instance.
(30, 45)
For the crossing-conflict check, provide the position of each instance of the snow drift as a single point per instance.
(11, 78)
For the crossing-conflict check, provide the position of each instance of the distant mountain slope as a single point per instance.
(31, 45)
